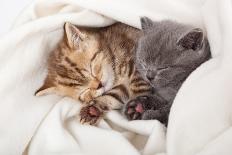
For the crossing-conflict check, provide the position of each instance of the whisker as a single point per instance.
(141, 69)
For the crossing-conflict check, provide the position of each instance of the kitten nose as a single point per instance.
(96, 84)
(99, 85)
(150, 75)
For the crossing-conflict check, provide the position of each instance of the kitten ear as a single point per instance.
(192, 40)
(146, 23)
(73, 35)
(47, 88)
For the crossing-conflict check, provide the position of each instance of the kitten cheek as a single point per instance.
(145, 78)
(96, 71)
(159, 83)
(143, 74)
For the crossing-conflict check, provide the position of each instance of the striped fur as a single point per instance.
(96, 65)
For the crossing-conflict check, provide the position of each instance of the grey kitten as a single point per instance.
(166, 54)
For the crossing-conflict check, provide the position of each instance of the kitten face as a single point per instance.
(168, 52)
(77, 68)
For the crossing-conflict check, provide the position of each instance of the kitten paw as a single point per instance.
(135, 108)
(92, 113)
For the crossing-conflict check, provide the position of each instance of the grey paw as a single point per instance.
(135, 108)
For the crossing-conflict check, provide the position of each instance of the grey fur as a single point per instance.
(166, 54)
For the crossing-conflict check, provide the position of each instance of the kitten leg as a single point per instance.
(135, 109)
(92, 113)
(89, 94)
(139, 90)
(96, 109)
(86, 96)
(113, 99)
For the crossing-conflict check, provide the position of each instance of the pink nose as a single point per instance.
(95, 84)
(99, 85)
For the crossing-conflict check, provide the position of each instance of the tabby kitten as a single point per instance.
(96, 67)
(167, 53)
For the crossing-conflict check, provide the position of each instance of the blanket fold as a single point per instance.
(200, 119)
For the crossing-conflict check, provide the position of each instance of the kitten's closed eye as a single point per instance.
(151, 74)
(163, 68)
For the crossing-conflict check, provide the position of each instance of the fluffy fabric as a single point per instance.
(200, 119)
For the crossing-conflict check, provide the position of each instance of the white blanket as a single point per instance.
(200, 119)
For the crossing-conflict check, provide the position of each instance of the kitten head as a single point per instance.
(168, 52)
(77, 67)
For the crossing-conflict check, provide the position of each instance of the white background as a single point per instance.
(9, 10)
